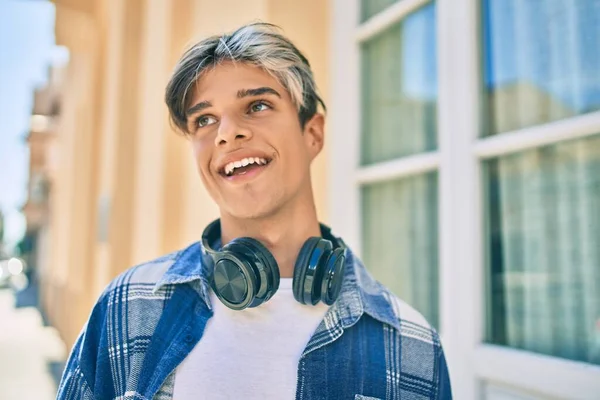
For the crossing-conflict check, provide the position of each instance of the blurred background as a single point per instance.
(462, 164)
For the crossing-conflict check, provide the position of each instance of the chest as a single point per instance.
(250, 354)
(341, 369)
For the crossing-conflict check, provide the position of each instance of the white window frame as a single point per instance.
(458, 161)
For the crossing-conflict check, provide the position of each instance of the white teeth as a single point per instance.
(228, 169)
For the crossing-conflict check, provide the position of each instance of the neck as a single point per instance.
(283, 233)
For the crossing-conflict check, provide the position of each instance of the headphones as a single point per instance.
(245, 273)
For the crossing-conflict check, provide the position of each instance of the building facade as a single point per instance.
(41, 142)
(462, 164)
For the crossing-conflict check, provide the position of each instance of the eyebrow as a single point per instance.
(257, 92)
(198, 107)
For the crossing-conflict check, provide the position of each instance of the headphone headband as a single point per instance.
(212, 233)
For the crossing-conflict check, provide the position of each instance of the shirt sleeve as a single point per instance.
(444, 387)
(73, 384)
(85, 371)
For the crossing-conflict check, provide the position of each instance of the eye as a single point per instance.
(205, 120)
(258, 106)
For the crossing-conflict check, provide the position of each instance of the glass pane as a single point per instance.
(400, 239)
(544, 250)
(542, 61)
(368, 8)
(399, 89)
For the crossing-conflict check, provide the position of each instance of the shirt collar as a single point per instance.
(188, 267)
(360, 292)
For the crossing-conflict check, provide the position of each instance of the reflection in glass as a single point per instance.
(368, 8)
(399, 89)
(544, 250)
(400, 239)
(542, 61)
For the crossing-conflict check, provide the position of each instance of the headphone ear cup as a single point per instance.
(308, 270)
(245, 274)
(331, 284)
(301, 262)
(233, 281)
(266, 268)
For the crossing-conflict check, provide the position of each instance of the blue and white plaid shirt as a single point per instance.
(370, 344)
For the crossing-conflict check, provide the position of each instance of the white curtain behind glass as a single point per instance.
(399, 230)
(550, 231)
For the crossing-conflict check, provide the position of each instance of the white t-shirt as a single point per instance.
(252, 353)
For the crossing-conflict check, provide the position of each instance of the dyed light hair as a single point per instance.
(258, 44)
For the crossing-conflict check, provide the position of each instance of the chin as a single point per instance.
(258, 203)
(248, 211)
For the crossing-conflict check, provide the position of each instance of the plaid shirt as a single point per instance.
(370, 345)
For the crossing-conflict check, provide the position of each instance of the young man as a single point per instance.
(269, 304)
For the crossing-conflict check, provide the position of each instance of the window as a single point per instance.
(543, 204)
(465, 172)
(398, 110)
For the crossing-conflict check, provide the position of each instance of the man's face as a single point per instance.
(252, 154)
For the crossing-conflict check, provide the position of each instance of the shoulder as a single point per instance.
(148, 273)
(132, 293)
(395, 313)
(139, 282)
(423, 360)
(415, 351)
(408, 342)
(411, 323)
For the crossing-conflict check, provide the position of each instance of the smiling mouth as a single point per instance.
(243, 166)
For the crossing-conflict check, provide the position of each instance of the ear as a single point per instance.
(314, 135)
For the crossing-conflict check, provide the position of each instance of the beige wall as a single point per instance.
(126, 187)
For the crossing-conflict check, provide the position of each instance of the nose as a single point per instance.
(231, 130)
